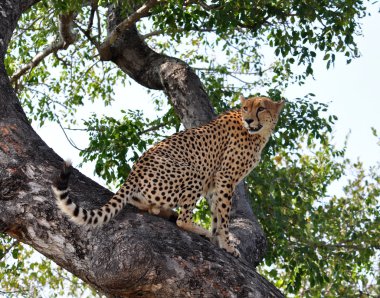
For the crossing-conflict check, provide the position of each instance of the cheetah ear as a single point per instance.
(280, 105)
(242, 99)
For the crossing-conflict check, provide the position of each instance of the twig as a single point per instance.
(153, 128)
(159, 32)
(47, 96)
(75, 129)
(53, 47)
(239, 79)
(88, 35)
(153, 33)
(23, 30)
(60, 59)
(9, 248)
(67, 137)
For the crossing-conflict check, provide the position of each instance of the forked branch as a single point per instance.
(67, 36)
(105, 51)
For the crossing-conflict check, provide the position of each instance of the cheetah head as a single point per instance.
(260, 114)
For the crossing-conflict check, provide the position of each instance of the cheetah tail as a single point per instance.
(77, 214)
(61, 192)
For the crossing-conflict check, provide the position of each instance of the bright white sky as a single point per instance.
(352, 90)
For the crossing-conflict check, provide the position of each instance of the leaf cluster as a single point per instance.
(319, 245)
(116, 144)
(25, 273)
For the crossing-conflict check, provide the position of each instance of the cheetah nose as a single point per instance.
(249, 121)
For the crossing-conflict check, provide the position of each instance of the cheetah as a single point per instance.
(207, 161)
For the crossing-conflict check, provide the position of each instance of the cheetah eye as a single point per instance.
(260, 109)
(245, 109)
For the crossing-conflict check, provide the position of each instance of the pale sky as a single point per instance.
(353, 91)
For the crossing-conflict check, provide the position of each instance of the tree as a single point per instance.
(55, 70)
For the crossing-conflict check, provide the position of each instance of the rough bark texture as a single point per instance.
(136, 254)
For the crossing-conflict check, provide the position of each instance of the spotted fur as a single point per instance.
(209, 161)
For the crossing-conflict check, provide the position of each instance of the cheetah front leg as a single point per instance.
(220, 210)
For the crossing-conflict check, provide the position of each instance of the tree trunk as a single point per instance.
(136, 254)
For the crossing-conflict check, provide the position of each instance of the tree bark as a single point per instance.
(136, 254)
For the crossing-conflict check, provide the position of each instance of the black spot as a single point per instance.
(108, 210)
(105, 218)
(68, 202)
(76, 211)
(64, 195)
(95, 220)
(114, 205)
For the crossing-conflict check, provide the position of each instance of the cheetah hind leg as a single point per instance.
(186, 223)
(181, 221)
(166, 213)
(194, 228)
